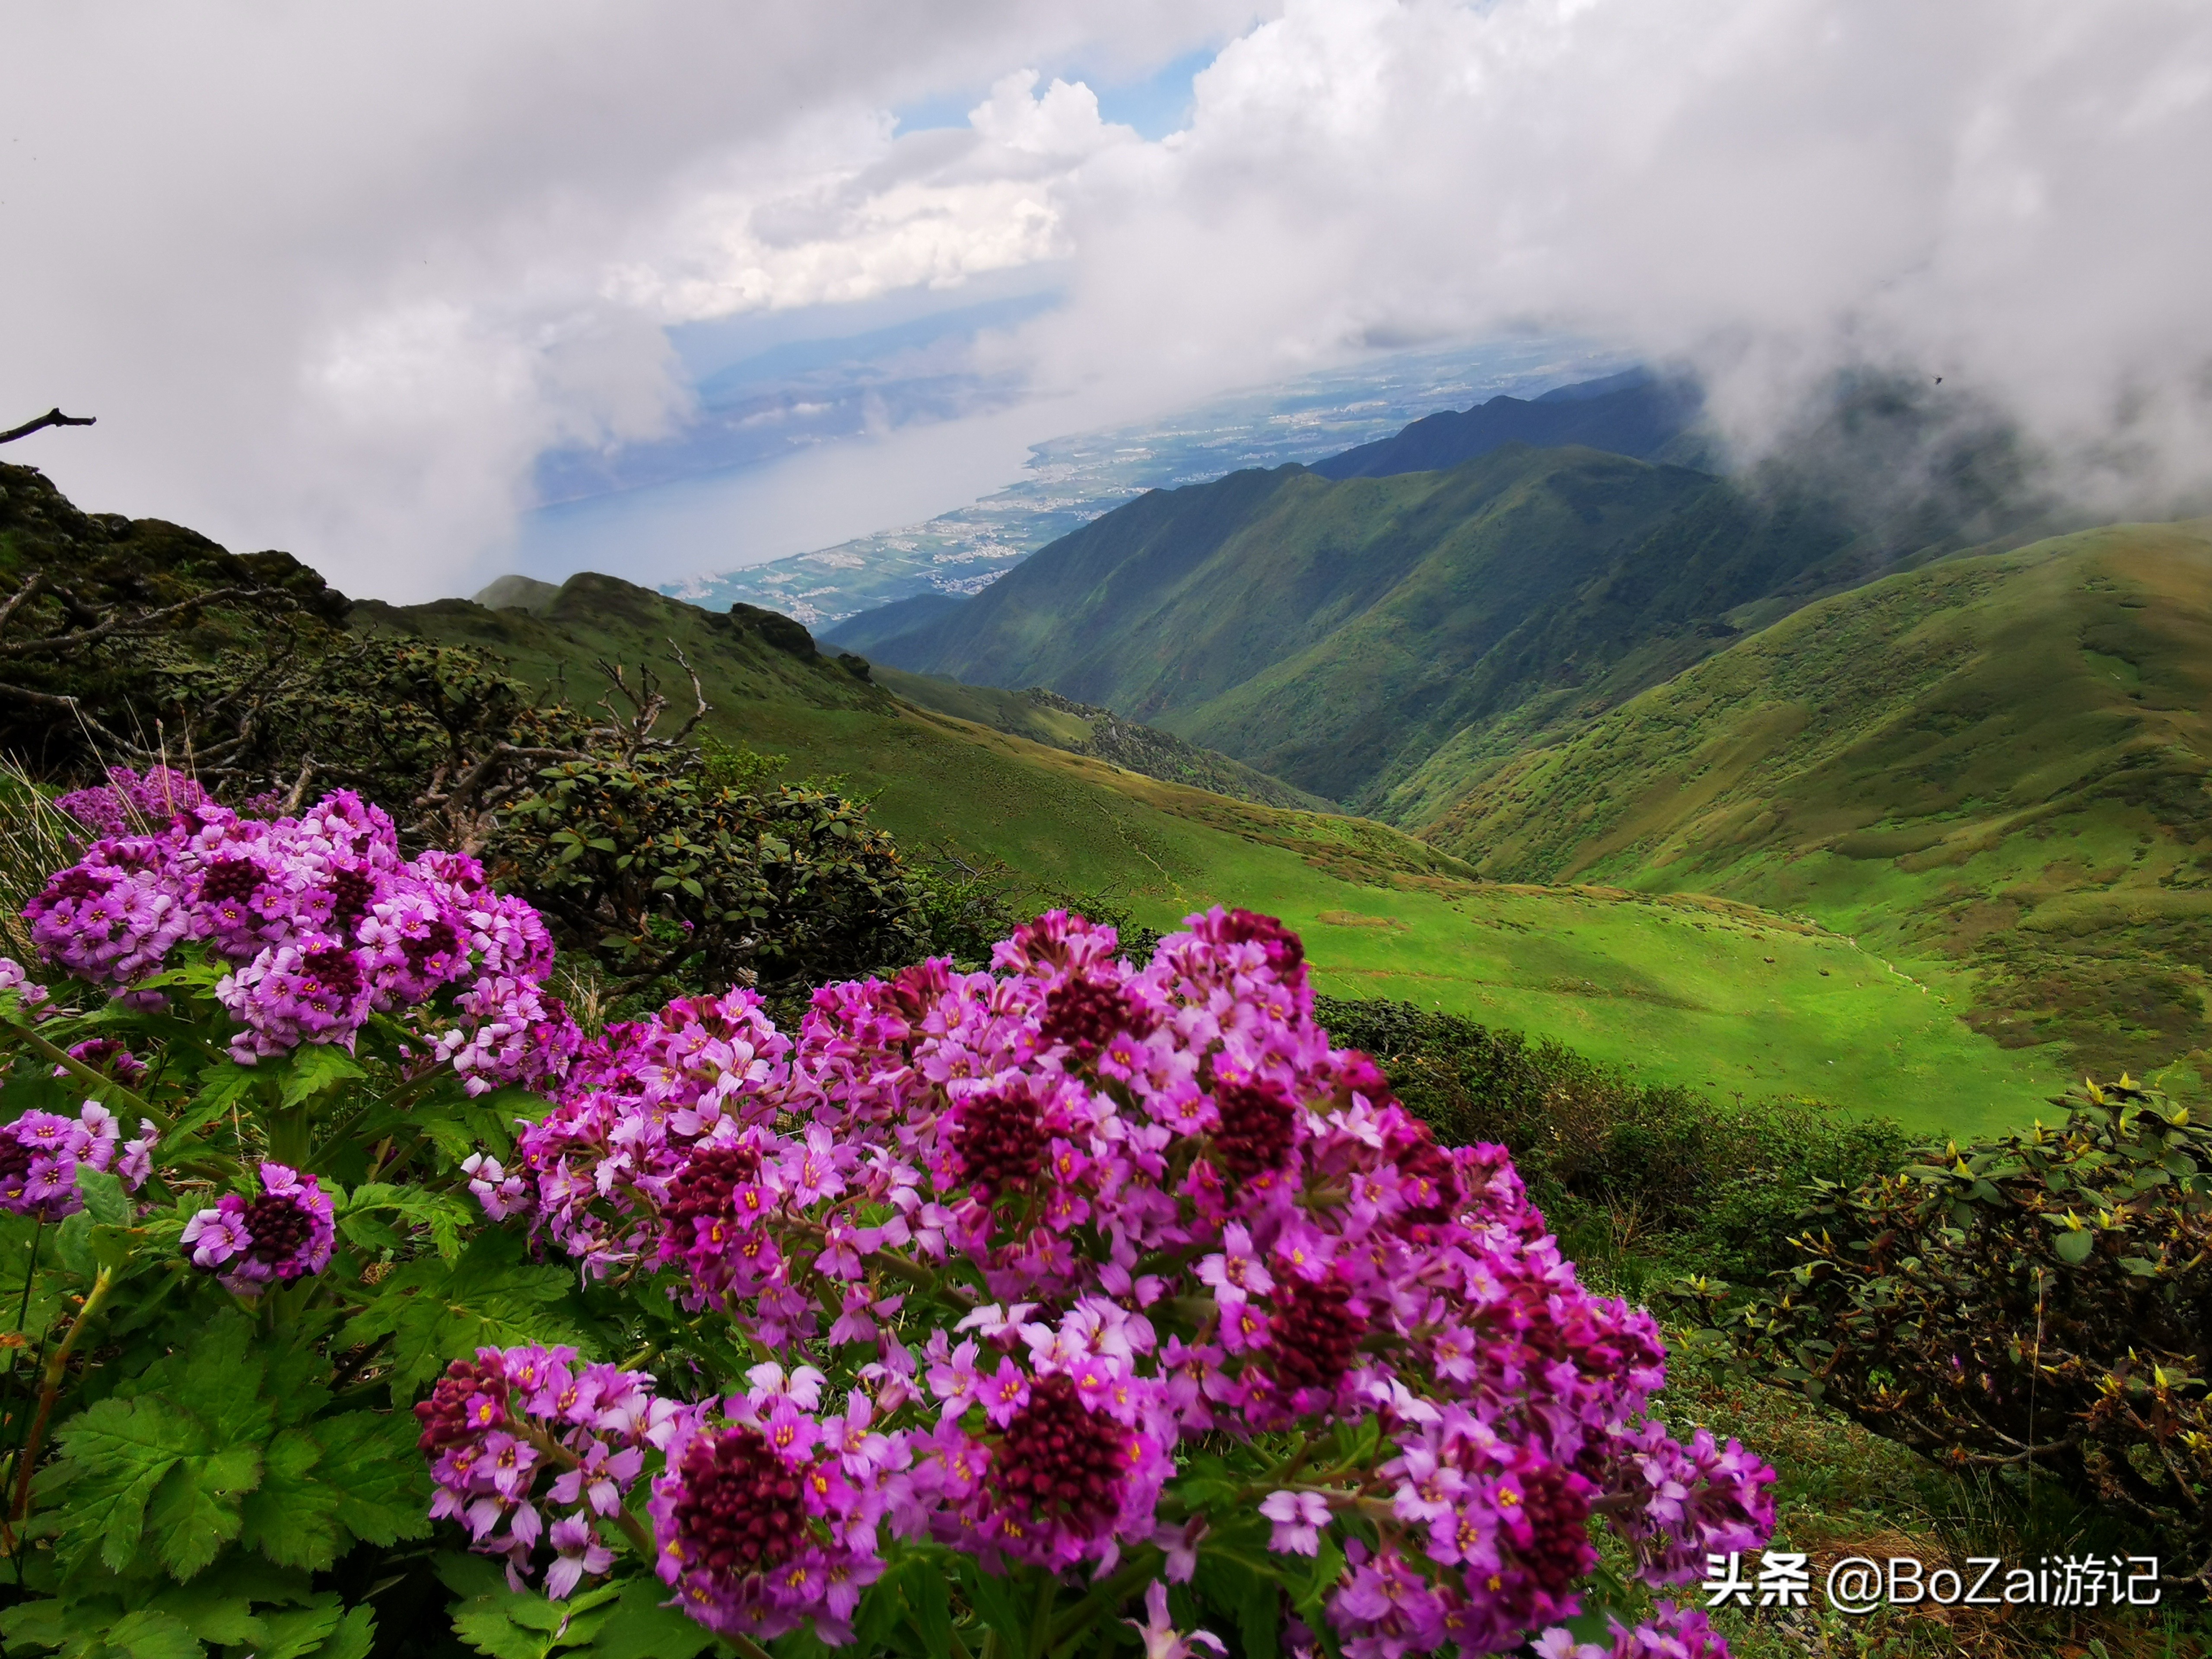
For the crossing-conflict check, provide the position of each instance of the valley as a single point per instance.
(1714, 993)
(1903, 721)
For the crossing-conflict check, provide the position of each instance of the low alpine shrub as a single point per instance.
(2038, 1304)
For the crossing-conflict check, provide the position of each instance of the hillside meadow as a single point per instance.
(1717, 995)
(1997, 763)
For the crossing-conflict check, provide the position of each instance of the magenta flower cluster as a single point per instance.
(284, 1232)
(30, 996)
(495, 1428)
(320, 923)
(1053, 1222)
(40, 1153)
(128, 804)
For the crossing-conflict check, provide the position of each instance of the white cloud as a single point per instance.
(2008, 192)
(332, 278)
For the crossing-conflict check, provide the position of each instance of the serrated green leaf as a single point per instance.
(434, 1310)
(224, 1087)
(213, 1611)
(383, 1485)
(195, 1510)
(444, 1217)
(294, 1632)
(105, 1201)
(72, 1245)
(146, 1634)
(484, 1625)
(353, 1638)
(121, 1451)
(369, 1232)
(315, 1066)
(76, 1626)
(292, 1516)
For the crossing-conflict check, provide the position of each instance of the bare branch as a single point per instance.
(49, 699)
(31, 584)
(297, 796)
(112, 623)
(698, 694)
(52, 417)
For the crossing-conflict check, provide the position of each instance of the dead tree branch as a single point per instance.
(52, 417)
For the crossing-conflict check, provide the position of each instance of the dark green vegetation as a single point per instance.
(1998, 761)
(2035, 1301)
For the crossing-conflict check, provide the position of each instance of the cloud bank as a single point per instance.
(336, 281)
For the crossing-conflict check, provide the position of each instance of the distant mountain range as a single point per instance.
(1850, 684)
(1338, 633)
(1632, 413)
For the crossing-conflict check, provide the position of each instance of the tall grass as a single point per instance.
(36, 839)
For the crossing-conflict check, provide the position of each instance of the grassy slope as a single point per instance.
(1682, 989)
(1142, 748)
(1997, 763)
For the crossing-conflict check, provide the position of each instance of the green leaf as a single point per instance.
(293, 1517)
(444, 1217)
(146, 1634)
(104, 1198)
(74, 1626)
(315, 1066)
(995, 1604)
(382, 1484)
(121, 1451)
(213, 1611)
(353, 1638)
(225, 1087)
(434, 1310)
(294, 1632)
(639, 1627)
(2075, 1247)
(488, 1624)
(195, 1510)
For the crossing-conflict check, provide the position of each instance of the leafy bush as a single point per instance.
(663, 875)
(2039, 1303)
(228, 1233)
(1653, 1168)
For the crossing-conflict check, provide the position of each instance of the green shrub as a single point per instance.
(2039, 1304)
(664, 877)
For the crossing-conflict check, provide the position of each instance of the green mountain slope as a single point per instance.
(1336, 635)
(1700, 992)
(1084, 728)
(1997, 761)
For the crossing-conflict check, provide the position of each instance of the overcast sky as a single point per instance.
(335, 278)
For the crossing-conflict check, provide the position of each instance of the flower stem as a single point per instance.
(84, 1073)
(1136, 1570)
(631, 1527)
(49, 1386)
